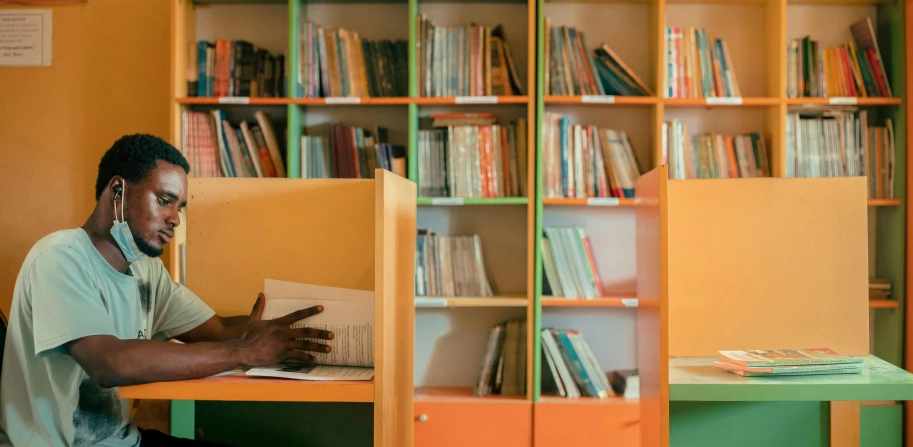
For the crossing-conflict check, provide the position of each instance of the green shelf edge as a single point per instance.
(537, 255)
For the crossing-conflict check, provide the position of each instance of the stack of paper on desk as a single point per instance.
(347, 313)
(788, 362)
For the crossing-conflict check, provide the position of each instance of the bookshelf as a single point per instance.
(452, 331)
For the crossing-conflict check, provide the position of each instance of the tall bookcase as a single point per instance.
(452, 332)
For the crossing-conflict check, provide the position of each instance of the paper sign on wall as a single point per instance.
(25, 37)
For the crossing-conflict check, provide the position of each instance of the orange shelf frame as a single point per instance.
(548, 301)
(470, 100)
(460, 394)
(836, 101)
(884, 202)
(598, 100)
(720, 102)
(883, 304)
(590, 201)
(247, 388)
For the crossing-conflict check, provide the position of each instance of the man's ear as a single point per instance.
(117, 186)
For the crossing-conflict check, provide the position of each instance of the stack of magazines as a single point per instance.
(788, 362)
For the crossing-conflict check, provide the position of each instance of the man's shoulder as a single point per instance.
(62, 246)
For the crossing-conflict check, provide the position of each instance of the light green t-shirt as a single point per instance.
(66, 290)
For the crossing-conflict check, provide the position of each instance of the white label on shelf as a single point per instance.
(476, 99)
(343, 100)
(234, 100)
(629, 302)
(430, 302)
(602, 201)
(843, 100)
(598, 99)
(724, 101)
(447, 201)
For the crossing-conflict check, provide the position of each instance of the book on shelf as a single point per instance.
(713, 155)
(234, 68)
(503, 369)
(698, 65)
(569, 264)
(450, 266)
(342, 63)
(469, 60)
(838, 141)
(569, 368)
(879, 288)
(574, 70)
(851, 69)
(471, 155)
(215, 147)
(338, 150)
(587, 161)
(347, 313)
(788, 362)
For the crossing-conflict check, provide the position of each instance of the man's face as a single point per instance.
(153, 207)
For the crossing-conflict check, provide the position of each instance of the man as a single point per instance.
(93, 309)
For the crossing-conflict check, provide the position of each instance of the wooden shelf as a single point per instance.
(233, 100)
(591, 201)
(558, 400)
(720, 102)
(458, 201)
(883, 304)
(240, 387)
(549, 301)
(461, 394)
(498, 301)
(845, 101)
(471, 100)
(884, 202)
(602, 100)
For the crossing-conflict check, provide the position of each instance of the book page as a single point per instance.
(348, 314)
(313, 372)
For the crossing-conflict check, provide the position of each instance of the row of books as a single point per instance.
(471, 155)
(698, 65)
(338, 150)
(879, 288)
(472, 60)
(503, 369)
(838, 142)
(234, 68)
(450, 266)
(569, 264)
(853, 69)
(586, 161)
(713, 155)
(569, 367)
(574, 70)
(214, 147)
(340, 63)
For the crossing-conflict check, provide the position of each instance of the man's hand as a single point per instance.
(112, 362)
(268, 342)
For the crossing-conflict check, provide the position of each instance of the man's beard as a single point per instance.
(147, 249)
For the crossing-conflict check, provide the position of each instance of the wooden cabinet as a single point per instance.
(482, 423)
(586, 423)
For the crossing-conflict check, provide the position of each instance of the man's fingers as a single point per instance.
(305, 345)
(310, 333)
(257, 311)
(299, 355)
(291, 318)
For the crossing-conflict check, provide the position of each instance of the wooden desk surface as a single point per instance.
(237, 386)
(696, 379)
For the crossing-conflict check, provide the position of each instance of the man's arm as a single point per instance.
(111, 362)
(216, 329)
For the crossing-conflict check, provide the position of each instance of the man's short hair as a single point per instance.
(133, 157)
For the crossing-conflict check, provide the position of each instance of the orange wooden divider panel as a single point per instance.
(394, 277)
(652, 313)
(767, 263)
(245, 230)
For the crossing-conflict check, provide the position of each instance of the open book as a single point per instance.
(347, 313)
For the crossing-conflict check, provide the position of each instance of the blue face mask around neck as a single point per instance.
(122, 234)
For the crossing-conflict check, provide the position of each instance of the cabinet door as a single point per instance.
(586, 423)
(476, 424)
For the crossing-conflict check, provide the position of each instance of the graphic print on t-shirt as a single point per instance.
(97, 415)
(145, 296)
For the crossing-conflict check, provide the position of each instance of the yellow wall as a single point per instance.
(109, 76)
